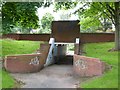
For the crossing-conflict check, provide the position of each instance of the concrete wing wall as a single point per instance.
(84, 37)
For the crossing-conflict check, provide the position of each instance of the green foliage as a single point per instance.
(89, 24)
(46, 22)
(22, 14)
(92, 14)
(0, 26)
(64, 5)
(106, 24)
(95, 14)
(100, 50)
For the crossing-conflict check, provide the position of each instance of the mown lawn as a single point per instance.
(11, 47)
(110, 78)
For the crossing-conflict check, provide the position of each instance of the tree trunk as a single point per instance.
(117, 26)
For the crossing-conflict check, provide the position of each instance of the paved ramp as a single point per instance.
(54, 76)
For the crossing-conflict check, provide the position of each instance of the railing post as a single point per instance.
(77, 46)
(51, 53)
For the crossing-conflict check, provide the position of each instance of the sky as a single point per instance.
(41, 11)
(57, 15)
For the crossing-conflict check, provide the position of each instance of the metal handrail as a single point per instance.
(51, 52)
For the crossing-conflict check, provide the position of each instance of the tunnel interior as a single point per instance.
(65, 54)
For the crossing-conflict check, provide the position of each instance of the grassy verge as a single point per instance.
(110, 78)
(7, 80)
(10, 47)
(0, 79)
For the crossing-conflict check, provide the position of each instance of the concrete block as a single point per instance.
(44, 49)
(23, 63)
(88, 66)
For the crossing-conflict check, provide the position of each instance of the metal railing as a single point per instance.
(52, 52)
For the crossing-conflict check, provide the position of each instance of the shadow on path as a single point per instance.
(54, 76)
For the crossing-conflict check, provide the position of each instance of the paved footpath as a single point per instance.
(54, 76)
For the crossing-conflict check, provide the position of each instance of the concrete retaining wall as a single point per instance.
(23, 63)
(96, 37)
(87, 66)
(84, 37)
(26, 63)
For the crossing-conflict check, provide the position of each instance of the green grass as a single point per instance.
(11, 47)
(110, 78)
(0, 79)
(7, 80)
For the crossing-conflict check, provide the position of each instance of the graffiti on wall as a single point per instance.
(34, 61)
(81, 64)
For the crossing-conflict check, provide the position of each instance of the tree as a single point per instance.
(0, 26)
(21, 14)
(89, 24)
(116, 16)
(106, 24)
(64, 5)
(109, 10)
(94, 23)
(46, 23)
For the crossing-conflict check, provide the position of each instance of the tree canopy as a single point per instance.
(64, 5)
(46, 23)
(92, 12)
(20, 14)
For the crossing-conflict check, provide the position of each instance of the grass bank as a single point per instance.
(110, 78)
(11, 47)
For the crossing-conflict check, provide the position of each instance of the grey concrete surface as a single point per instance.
(54, 76)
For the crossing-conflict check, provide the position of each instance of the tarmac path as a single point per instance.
(54, 76)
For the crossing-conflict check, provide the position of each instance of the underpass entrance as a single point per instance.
(55, 51)
(64, 33)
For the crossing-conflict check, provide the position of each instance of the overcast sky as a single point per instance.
(41, 11)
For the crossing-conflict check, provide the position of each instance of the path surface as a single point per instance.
(55, 76)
